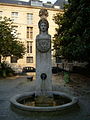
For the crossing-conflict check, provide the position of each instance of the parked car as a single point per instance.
(56, 70)
(28, 69)
(32, 69)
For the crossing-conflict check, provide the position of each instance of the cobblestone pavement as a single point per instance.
(19, 84)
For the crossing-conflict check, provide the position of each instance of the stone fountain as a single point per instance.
(43, 98)
(43, 61)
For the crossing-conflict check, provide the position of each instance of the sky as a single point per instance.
(53, 1)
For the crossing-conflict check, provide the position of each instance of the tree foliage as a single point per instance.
(9, 43)
(72, 38)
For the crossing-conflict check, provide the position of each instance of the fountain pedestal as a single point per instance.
(43, 59)
(43, 65)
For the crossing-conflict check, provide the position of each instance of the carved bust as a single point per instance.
(43, 40)
(43, 25)
(43, 13)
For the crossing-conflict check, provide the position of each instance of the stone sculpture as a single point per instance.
(43, 40)
(43, 57)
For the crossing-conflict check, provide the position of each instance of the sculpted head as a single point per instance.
(43, 25)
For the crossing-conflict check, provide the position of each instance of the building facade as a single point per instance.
(25, 21)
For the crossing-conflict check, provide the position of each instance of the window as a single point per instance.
(29, 18)
(36, 3)
(30, 32)
(29, 47)
(14, 16)
(0, 13)
(13, 59)
(29, 60)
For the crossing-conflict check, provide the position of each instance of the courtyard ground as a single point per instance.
(78, 86)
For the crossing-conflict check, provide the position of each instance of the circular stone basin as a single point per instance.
(26, 102)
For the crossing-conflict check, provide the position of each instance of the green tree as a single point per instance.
(9, 43)
(72, 38)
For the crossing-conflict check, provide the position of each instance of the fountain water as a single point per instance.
(43, 99)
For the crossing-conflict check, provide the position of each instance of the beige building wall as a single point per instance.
(21, 22)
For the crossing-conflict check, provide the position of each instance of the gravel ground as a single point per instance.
(79, 86)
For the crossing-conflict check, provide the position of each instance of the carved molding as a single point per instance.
(43, 45)
(43, 13)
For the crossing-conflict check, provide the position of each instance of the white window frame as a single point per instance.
(29, 59)
(30, 33)
(29, 46)
(29, 18)
(14, 16)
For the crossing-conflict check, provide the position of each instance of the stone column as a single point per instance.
(43, 57)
